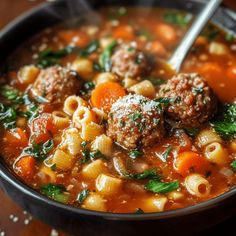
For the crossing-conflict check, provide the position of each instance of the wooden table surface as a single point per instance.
(13, 220)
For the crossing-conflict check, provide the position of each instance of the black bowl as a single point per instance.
(80, 221)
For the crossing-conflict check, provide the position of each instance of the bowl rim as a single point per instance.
(10, 178)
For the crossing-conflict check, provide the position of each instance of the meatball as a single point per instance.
(135, 121)
(128, 61)
(55, 84)
(193, 101)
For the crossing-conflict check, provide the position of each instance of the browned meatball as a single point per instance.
(55, 84)
(135, 121)
(128, 61)
(193, 101)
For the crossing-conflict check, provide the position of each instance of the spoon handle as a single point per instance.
(180, 53)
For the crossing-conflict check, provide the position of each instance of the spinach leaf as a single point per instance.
(226, 127)
(89, 156)
(192, 132)
(147, 174)
(177, 18)
(55, 191)
(210, 32)
(32, 111)
(8, 116)
(48, 57)
(229, 37)
(91, 48)
(12, 95)
(82, 196)
(105, 58)
(161, 187)
(167, 152)
(233, 165)
(138, 211)
(86, 88)
(39, 151)
(156, 81)
(135, 154)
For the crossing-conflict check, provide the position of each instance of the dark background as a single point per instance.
(13, 220)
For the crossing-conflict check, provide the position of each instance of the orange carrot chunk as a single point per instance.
(123, 32)
(79, 38)
(42, 127)
(166, 34)
(189, 161)
(26, 166)
(15, 138)
(105, 94)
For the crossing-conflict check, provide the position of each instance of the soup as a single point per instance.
(91, 118)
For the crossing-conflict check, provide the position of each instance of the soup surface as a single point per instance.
(91, 117)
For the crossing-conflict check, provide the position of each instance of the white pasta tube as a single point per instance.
(95, 202)
(60, 119)
(108, 185)
(62, 160)
(83, 116)
(207, 136)
(94, 169)
(71, 141)
(103, 144)
(216, 153)
(197, 185)
(72, 103)
(91, 131)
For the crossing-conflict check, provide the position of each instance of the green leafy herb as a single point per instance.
(161, 187)
(192, 132)
(227, 126)
(210, 32)
(97, 67)
(167, 152)
(84, 144)
(55, 191)
(91, 48)
(32, 112)
(105, 58)
(82, 195)
(39, 151)
(135, 116)
(48, 57)
(138, 211)
(177, 18)
(156, 81)
(229, 37)
(135, 154)
(12, 95)
(87, 87)
(233, 165)
(8, 116)
(88, 156)
(144, 33)
(197, 90)
(147, 174)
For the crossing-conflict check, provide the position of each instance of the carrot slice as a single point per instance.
(16, 138)
(26, 166)
(166, 33)
(123, 32)
(80, 39)
(190, 161)
(105, 94)
(42, 127)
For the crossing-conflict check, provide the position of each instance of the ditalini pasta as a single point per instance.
(92, 118)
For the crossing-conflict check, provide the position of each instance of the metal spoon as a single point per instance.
(176, 60)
